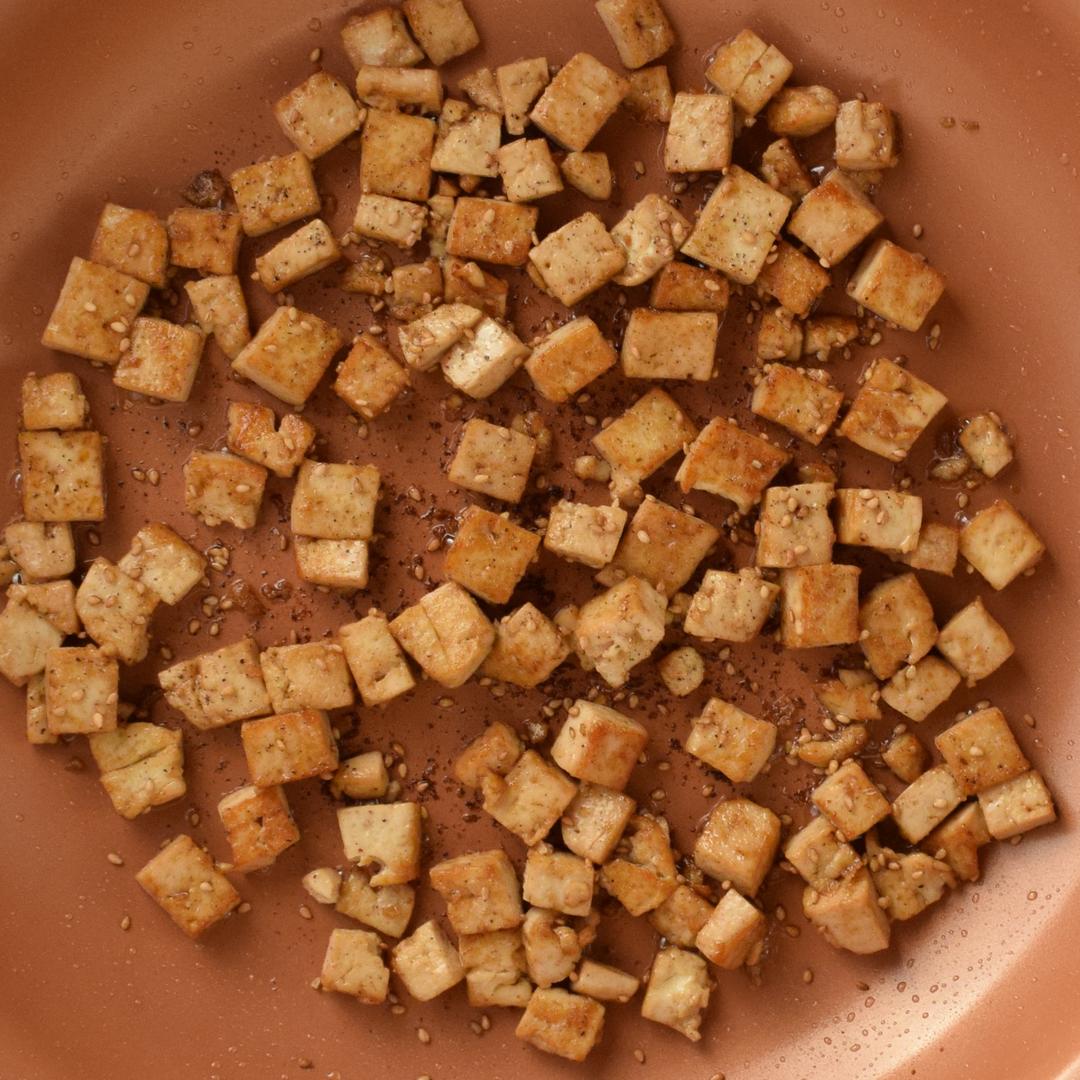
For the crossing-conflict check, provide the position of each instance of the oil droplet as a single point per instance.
(189, 45)
(15, 235)
(314, 25)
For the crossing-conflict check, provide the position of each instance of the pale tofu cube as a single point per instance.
(680, 286)
(599, 745)
(821, 751)
(289, 355)
(493, 460)
(80, 691)
(394, 221)
(528, 648)
(803, 402)
(620, 628)
(782, 168)
(890, 411)
(395, 154)
(670, 345)
(909, 884)
(649, 234)
(682, 670)
(895, 284)
(738, 843)
(490, 555)
(362, 776)
(162, 360)
(561, 1023)
(984, 440)
(897, 625)
(918, 689)
(528, 170)
(727, 461)
(482, 90)
(427, 963)
(531, 797)
(307, 251)
(589, 172)
(641, 875)
(258, 825)
(255, 433)
(779, 337)
(981, 751)
(602, 982)
(43, 551)
(1017, 806)
(318, 114)
(221, 488)
(491, 230)
(375, 661)
(387, 836)
(738, 226)
(850, 800)
(827, 332)
(219, 307)
(819, 605)
(335, 501)
(142, 766)
(700, 133)
(493, 753)
(736, 743)
(379, 37)
(956, 841)
(865, 136)
(749, 71)
(209, 240)
(558, 881)
(183, 880)
(937, 549)
(52, 600)
(650, 98)
(425, 340)
(467, 140)
(848, 915)
(730, 606)
(387, 909)
(495, 969)
(353, 965)
(388, 89)
(307, 676)
(594, 822)
(442, 27)
(332, 564)
(639, 29)
(62, 475)
(677, 992)
(481, 891)
(519, 85)
(793, 279)
(794, 527)
(852, 695)
(92, 313)
(485, 357)
(802, 111)
(577, 259)
(54, 402)
(974, 642)
(578, 101)
(819, 855)
(905, 756)
(273, 193)
(133, 242)
(115, 610)
(288, 747)
(926, 802)
(584, 534)
(569, 358)
(1000, 544)
(446, 633)
(165, 563)
(834, 218)
(681, 916)
(219, 687)
(734, 934)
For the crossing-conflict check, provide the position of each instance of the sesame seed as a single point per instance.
(116, 860)
(423, 1035)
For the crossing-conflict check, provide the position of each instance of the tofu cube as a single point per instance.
(222, 488)
(793, 279)
(820, 751)
(388, 89)
(918, 689)
(219, 307)
(738, 843)
(490, 555)
(749, 71)
(802, 111)
(183, 880)
(650, 99)
(926, 802)
(528, 648)
(897, 625)
(254, 433)
(895, 284)
(258, 825)
(482, 90)
(681, 286)
(133, 242)
(974, 642)
(1017, 806)
(142, 766)
(427, 963)
(1000, 544)
(446, 634)
(984, 440)
(273, 193)
(467, 140)
(677, 992)
(584, 534)
(481, 891)
(794, 526)
(937, 549)
(115, 610)
(644, 437)
(649, 234)
(782, 168)
(490, 230)
(416, 287)
(305, 252)
(642, 873)
(561, 1023)
(362, 776)
(80, 691)
(209, 240)
(219, 687)
(670, 345)
(589, 172)
(54, 401)
(493, 461)
(639, 29)
(495, 969)
(493, 753)
(848, 915)
(905, 757)
(558, 881)
(485, 357)
(577, 259)
(93, 300)
(162, 360)
(425, 340)
(682, 671)
(530, 798)
(442, 27)
(62, 475)
(981, 751)
(850, 800)
(333, 501)
(852, 695)
(318, 114)
(594, 821)
(377, 664)
(307, 676)
(803, 402)
(890, 411)
(288, 747)
(43, 551)
(819, 855)
(353, 965)
(819, 605)
(395, 155)
(834, 218)
(599, 745)
(394, 221)
(387, 836)
(380, 37)
(602, 982)
(738, 226)
(865, 136)
(681, 916)
(578, 101)
(730, 606)
(780, 336)
(736, 743)
(466, 283)
(519, 85)
(569, 358)
(333, 564)
(387, 909)
(734, 934)
(620, 628)
(956, 841)
(700, 133)
(528, 170)
(169, 566)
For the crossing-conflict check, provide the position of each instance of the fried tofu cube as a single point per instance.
(482, 90)
(681, 916)
(677, 992)
(896, 284)
(273, 193)
(493, 753)
(897, 625)
(641, 875)
(333, 564)
(981, 751)
(290, 746)
(218, 687)
(162, 360)
(738, 843)
(852, 695)
(530, 798)
(495, 969)
(890, 411)
(318, 114)
(289, 355)
(481, 891)
(353, 965)
(305, 252)
(926, 802)
(650, 99)
(387, 909)
(1017, 806)
(602, 982)
(834, 218)
(380, 37)
(54, 402)
(865, 136)
(369, 380)
(375, 660)
(819, 605)
(115, 610)
(395, 156)
(984, 440)
(577, 103)
(442, 27)
(793, 279)
(589, 172)
(558, 881)
(334, 501)
(387, 89)
(732, 741)
(569, 358)
(1000, 544)
(727, 461)
(133, 242)
(465, 283)
(362, 776)
(974, 642)
(209, 240)
(738, 226)
(427, 963)
(490, 230)
(252, 434)
(528, 170)
(734, 934)
(920, 688)
(670, 344)
(639, 29)
(163, 562)
(393, 220)
(493, 460)
(142, 766)
(223, 489)
(682, 670)
(62, 475)
(467, 140)
(80, 691)
(528, 648)
(561, 1023)
(819, 855)
(485, 357)
(805, 403)
(648, 434)
(937, 549)
(794, 526)
(258, 825)
(779, 337)
(620, 628)
(425, 340)
(183, 880)
(490, 554)
(577, 259)
(850, 800)
(384, 835)
(680, 286)
(306, 676)
(700, 133)
(219, 307)
(782, 168)
(93, 301)
(956, 841)
(821, 751)
(847, 913)
(594, 821)
(650, 234)
(584, 534)
(43, 550)
(749, 71)
(802, 111)
(730, 606)
(599, 745)
(905, 756)
(519, 85)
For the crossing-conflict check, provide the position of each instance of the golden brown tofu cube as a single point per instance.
(387, 89)
(974, 642)
(898, 285)
(926, 802)
(916, 690)
(783, 169)
(254, 433)
(62, 475)
(819, 855)
(670, 344)
(467, 140)
(569, 358)
(803, 402)
(802, 111)
(589, 171)
(293, 746)
(133, 242)
(207, 240)
(594, 821)
(886, 520)
(734, 934)
(865, 137)
(258, 826)
(218, 687)
(427, 963)
(897, 625)
(700, 133)
(984, 440)
(273, 193)
(307, 251)
(528, 648)
(490, 230)
(981, 751)
(791, 278)
(163, 562)
(142, 766)
(307, 676)
(318, 114)
(850, 800)
(44, 551)
(641, 874)
(485, 357)
(353, 965)
(730, 606)
(380, 37)
(821, 751)
(732, 741)
(909, 883)
(530, 798)
(558, 881)
(1017, 806)
(493, 460)
(1000, 544)
(649, 234)
(780, 336)
(561, 1023)
(393, 220)
(80, 691)
(115, 610)
(493, 753)
(528, 170)
(481, 891)
(552, 946)
(375, 661)
(415, 287)
(54, 402)
(749, 71)
(599, 745)
(681, 916)
(387, 909)
(183, 880)
(956, 841)
(442, 27)
(905, 756)
(639, 29)
(794, 526)
(427, 339)
(584, 534)
(335, 501)
(519, 85)
(219, 307)
(92, 313)
(650, 98)
(465, 283)
(162, 360)
(848, 915)
(490, 554)
(620, 628)
(819, 605)
(677, 993)
(602, 982)
(578, 101)
(395, 156)
(680, 286)
(363, 776)
(738, 843)
(384, 835)
(482, 90)
(495, 969)
(223, 488)
(682, 671)
(834, 218)
(577, 259)
(332, 564)
(852, 695)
